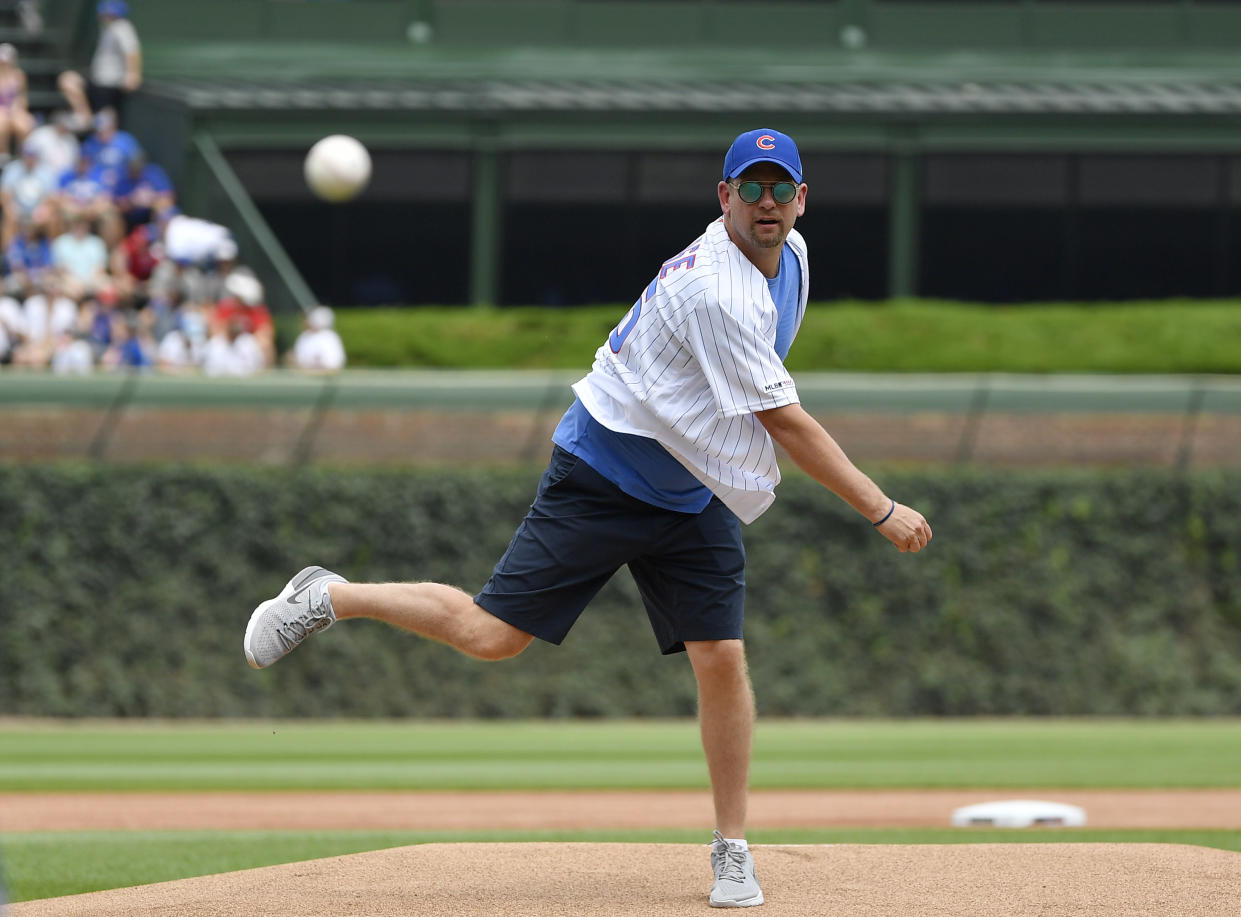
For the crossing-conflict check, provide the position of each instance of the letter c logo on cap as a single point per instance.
(766, 142)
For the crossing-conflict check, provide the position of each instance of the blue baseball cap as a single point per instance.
(763, 145)
(116, 8)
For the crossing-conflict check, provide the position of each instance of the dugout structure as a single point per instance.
(551, 151)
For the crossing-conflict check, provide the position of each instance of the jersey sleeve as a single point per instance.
(126, 36)
(742, 368)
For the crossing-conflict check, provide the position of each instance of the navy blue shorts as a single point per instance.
(582, 528)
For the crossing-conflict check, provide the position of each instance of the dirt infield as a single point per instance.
(567, 810)
(658, 880)
(651, 880)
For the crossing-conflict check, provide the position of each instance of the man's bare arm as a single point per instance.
(821, 457)
(133, 70)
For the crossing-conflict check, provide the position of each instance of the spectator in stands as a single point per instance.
(208, 282)
(318, 348)
(95, 325)
(144, 189)
(55, 143)
(12, 327)
(183, 348)
(28, 258)
(133, 262)
(243, 304)
(192, 250)
(132, 346)
(24, 187)
(109, 149)
(16, 122)
(192, 241)
(49, 315)
(30, 14)
(81, 259)
(115, 70)
(74, 353)
(80, 192)
(231, 351)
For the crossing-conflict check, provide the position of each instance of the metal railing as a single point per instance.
(229, 203)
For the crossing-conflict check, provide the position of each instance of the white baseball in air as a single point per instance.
(337, 168)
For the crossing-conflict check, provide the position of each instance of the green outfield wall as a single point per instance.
(1106, 592)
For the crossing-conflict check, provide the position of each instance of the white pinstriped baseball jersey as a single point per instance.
(693, 360)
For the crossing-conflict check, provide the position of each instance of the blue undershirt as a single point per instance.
(785, 287)
(639, 465)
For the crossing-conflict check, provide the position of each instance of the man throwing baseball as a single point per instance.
(667, 449)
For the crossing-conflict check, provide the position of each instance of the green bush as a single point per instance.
(900, 336)
(127, 591)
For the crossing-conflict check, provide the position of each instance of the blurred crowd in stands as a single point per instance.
(101, 269)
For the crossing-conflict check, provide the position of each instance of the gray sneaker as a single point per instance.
(280, 624)
(735, 882)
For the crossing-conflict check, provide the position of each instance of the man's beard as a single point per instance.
(768, 241)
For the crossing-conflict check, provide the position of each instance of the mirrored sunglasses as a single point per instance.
(782, 192)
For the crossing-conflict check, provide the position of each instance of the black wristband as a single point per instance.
(891, 510)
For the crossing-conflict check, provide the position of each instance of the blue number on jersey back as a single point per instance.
(616, 340)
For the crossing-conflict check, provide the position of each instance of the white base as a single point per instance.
(1019, 813)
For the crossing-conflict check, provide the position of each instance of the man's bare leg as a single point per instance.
(315, 598)
(431, 610)
(726, 718)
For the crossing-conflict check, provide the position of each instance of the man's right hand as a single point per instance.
(906, 528)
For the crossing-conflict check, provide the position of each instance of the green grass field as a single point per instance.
(997, 753)
(138, 755)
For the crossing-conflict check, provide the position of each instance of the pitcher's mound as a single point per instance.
(651, 880)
